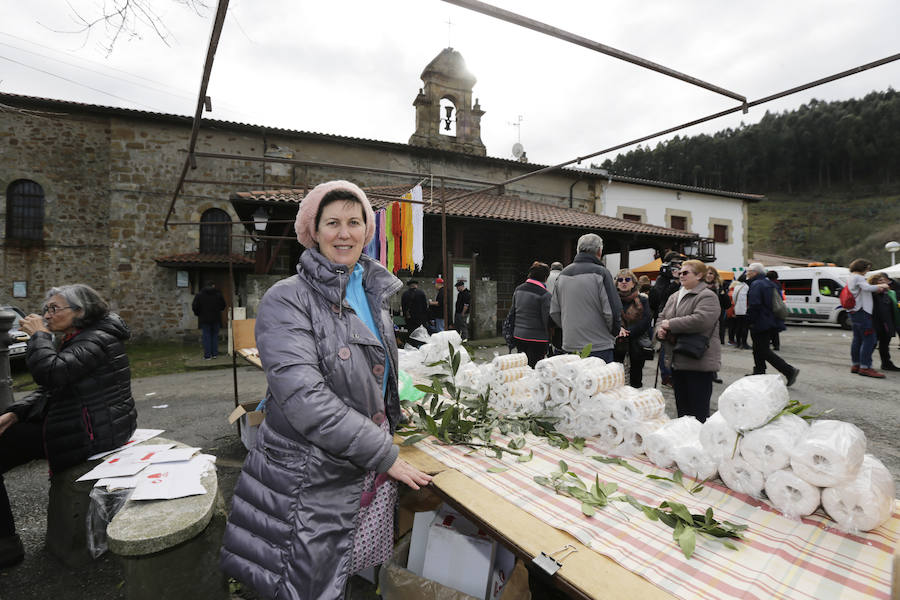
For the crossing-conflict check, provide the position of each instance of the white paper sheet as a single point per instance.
(172, 480)
(140, 435)
(125, 462)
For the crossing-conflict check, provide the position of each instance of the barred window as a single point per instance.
(24, 211)
(213, 237)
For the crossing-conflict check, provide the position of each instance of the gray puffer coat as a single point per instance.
(293, 517)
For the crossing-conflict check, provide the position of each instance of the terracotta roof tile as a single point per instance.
(490, 206)
(198, 259)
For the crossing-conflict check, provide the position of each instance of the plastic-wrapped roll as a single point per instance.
(548, 368)
(645, 405)
(442, 338)
(610, 435)
(741, 477)
(507, 375)
(577, 422)
(633, 435)
(768, 448)
(791, 495)
(510, 361)
(603, 403)
(718, 437)
(602, 379)
(560, 393)
(752, 401)
(660, 445)
(865, 502)
(694, 461)
(829, 454)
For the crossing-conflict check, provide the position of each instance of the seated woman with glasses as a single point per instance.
(84, 403)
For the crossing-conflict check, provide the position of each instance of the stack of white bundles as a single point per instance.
(718, 437)
(610, 435)
(753, 401)
(829, 454)
(634, 433)
(640, 405)
(571, 371)
(560, 394)
(694, 461)
(442, 338)
(468, 376)
(660, 445)
(741, 477)
(411, 361)
(512, 374)
(865, 502)
(791, 495)
(581, 421)
(548, 369)
(768, 449)
(600, 379)
(510, 361)
(604, 402)
(521, 396)
(431, 353)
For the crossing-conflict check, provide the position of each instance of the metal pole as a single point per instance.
(7, 318)
(447, 279)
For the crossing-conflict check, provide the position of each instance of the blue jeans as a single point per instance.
(438, 324)
(606, 355)
(863, 339)
(210, 335)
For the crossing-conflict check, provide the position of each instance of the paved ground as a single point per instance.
(192, 407)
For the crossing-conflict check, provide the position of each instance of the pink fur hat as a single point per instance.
(305, 226)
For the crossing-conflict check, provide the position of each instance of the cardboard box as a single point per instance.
(459, 555)
(419, 540)
(250, 421)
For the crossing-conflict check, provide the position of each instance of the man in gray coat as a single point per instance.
(585, 302)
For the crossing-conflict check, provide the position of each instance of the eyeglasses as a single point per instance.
(53, 309)
(624, 279)
(684, 272)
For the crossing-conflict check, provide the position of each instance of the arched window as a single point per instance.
(24, 211)
(214, 238)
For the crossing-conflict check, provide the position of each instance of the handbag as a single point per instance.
(646, 346)
(692, 345)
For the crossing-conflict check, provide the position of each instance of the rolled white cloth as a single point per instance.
(603, 403)
(694, 461)
(601, 379)
(644, 405)
(865, 502)
(718, 438)
(634, 434)
(468, 375)
(830, 453)
(611, 434)
(768, 448)
(791, 495)
(560, 393)
(660, 445)
(511, 374)
(741, 477)
(548, 368)
(752, 401)
(510, 361)
(578, 422)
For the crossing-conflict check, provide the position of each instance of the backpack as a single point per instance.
(778, 307)
(848, 300)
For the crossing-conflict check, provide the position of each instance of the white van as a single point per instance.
(812, 293)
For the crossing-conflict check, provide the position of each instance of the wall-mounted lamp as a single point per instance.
(260, 219)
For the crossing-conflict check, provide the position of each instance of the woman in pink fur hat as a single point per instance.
(315, 500)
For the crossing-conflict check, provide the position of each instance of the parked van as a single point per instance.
(812, 293)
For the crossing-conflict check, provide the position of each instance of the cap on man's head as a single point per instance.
(439, 280)
(461, 282)
(674, 257)
(412, 282)
(556, 266)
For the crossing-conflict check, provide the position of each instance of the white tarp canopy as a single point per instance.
(891, 272)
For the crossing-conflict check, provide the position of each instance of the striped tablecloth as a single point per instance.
(779, 557)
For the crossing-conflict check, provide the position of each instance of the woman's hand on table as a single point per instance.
(404, 472)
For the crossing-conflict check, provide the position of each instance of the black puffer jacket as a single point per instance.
(86, 385)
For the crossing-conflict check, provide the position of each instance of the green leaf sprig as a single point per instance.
(613, 460)
(678, 479)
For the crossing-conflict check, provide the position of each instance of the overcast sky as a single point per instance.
(352, 67)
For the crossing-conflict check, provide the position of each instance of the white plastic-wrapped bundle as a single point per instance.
(442, 338)
(570, 372)
(660, 445)
(610, 435)
(510, 361)
(865, 502)
(752, 401)
(602, 402)
(768, 448)
(791, 495)
(432, 353)
(694, 461)
(582, 421)
(641, 405)
(560, 393)
(528, 394)
(718, 437)
(507, 375)
(634, 433)
(600, 379)
(548, 368)
(741, 477)
(829, 454)
(468, 376)
(411, 361)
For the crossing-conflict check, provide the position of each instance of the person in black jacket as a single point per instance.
(414, 304)
(83, 405)
(530, 313)
(635, 333)
(208, 306)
